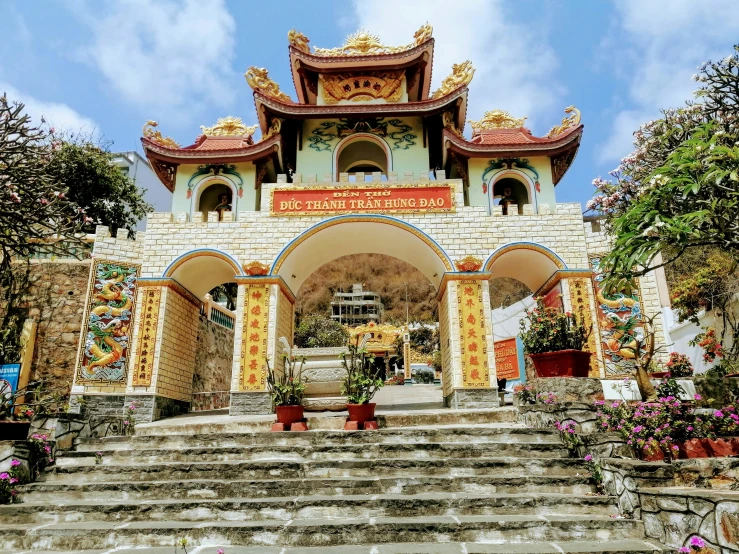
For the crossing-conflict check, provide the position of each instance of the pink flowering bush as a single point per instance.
(568, 434)
(596, 475)
(526, 394)
(8, 482)
(547, 398)
(129, 419)
(679, 366)
(549, 330)
(43, 455)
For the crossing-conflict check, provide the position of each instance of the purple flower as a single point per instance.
(684, 550)
(220, 551)
(15, 463)
(588, 458)
(4, 476)
(698, 397)
(718, 413)
(614, 405)
(697, 542)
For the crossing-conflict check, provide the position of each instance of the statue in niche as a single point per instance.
(507, 199)
(224, 205)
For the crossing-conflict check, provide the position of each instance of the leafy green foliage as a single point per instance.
(362, 379)
(108, 196)
(287, 387)
(549, 330)
(320, 331)
(424, 340)
(680, 188)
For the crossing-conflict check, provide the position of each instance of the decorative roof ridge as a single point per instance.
(361, 44)
(533, 141)
(192, 149)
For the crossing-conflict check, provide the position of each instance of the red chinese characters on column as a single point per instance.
(254, 338)
(475, 371)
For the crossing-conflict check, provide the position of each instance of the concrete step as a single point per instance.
(285, 469)
(555, 547)
(315, 452)
(115, 490)
(324, 438)
(319, 533)
(310, 507)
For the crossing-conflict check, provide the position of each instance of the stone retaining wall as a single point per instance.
(211, 383)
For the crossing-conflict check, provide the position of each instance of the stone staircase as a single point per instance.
(448, 489)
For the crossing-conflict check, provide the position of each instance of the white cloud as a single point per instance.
(172, 57)
(515, 68)
(662, 45)
(58, 115)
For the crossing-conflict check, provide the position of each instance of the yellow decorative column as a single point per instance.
(264, 313)
(468, 357)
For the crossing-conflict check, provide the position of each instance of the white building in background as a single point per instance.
(357, 307)
(139, 170)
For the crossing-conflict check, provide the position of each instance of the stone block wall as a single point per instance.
(211, 384)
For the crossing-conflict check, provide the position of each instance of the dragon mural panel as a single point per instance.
(109, 322)
(620, 323)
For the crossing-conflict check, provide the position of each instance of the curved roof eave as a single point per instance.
(252, 152)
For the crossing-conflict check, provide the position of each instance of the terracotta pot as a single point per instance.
(289, 414)
(718, 448)
(14, 430)
(565, 363)
(656, 454)
(693, 448)
(361, 412)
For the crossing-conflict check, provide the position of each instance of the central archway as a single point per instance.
(346, 235)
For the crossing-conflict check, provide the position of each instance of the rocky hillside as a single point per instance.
(388, 277)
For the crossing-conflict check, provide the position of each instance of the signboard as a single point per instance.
(9, 373)
(506, 360)
(377, 199)
(553, 299)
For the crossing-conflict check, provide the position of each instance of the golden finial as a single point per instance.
(256, 268)
(497, 119)
(156, 136)
(363, 43)
(461, 75)
(468, 264)
(273, 130)
(258, 79)
(229, 126)
(447, 119)
(423, 34)
(298, 40)
(567, 122)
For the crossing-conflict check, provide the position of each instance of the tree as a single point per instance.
(108, 196)
(35, 214)
(319, 331)
(424, 339)
(680, 187)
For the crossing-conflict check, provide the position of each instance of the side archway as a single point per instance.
(201, 270)
(346, 235)
(528, 262)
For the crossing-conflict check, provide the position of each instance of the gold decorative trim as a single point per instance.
(156, 136)
(468, 264)
(461, 75)
(256, 268)
(362, 87)
(363, 43)
(361, 219)
(259, 80)
(581, 291)
(229, 127)
(567, 122)
(449, 123)
(269, 280)
(273, 130)
(524, 246)
(473, 335)
(558, 275)
(497, 119)
(298, 40)
(196, 254)
(478, 276)
(146, 344)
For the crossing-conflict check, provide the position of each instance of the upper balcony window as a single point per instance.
(363, 154)
(217, 197)
(511, 194)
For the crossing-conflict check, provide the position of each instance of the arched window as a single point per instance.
(215, 197)
(362, 153)
(510, 193)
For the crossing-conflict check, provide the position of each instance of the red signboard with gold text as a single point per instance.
(506, 360)
(362, 199)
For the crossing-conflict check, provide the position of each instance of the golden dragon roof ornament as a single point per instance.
(497, 119)
(298, 40)
(363, 43)
(273, 130)
(156, 136)
(461, 75)
(229, 127)
(258, 79)
(567, 122)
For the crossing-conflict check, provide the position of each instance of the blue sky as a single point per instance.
(111, 65)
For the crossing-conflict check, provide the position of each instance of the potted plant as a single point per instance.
(679, 366)
(287, 389)
(362, 381)
(554, 341)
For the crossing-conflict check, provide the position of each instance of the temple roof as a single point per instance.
(362, 51)
(498, 134)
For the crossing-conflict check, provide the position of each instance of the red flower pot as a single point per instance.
(718, 448)
(653, 454)
(289, 414)
(659, 374)
(14, 430)
(693, 448)
(565, 363)
(361, 412)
